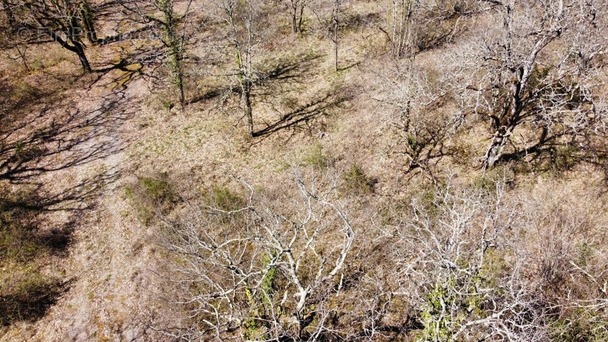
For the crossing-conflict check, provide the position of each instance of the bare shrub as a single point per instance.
(262, 270)
(485, 264)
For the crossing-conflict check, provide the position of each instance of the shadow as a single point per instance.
(350, 66)
(302, 115)
(19, 96)
(28, 240)
(355, 21)
(267, 80)
(396, 332)
(32, 303)
(286, 69)
(37, 142)
(212, 94)
(47, 141)
(559, 152)
(117, 77)
(282, 77)
(424, 147)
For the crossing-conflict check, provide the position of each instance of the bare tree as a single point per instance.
(415, 101)
(452, 249)
(296, 11)
(521, 86)
(241, 19)
(262, 272)
(335, 19)
(173, 42)
(401, 15)
(418, 25)
(59, 21)
(174, 35)
(330, 22)
(494, 263)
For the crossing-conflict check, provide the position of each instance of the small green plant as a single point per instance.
(581, 324)
(316, 157)
(251, 332)
(448, 306)
(254, 328)
(36, 65)
(168, 105)
(224, 199)
(357, 182)
(437, 323)
(268, 278)
(487, 182)
(157, 189)
(565, 157)
(151, 194)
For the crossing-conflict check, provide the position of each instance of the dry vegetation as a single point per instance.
(289, 170)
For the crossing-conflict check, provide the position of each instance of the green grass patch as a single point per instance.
(355, 181)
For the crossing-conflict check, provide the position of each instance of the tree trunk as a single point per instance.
(176, 66)
(182, 96)
(174, 43)
(178, 77)
(76, 47)
(496, 149)
(246, 84)
(297, 13)
(246, 103)
(402, 27)
(301, 18)
(336, 22)
(82, 57)
(294, 19)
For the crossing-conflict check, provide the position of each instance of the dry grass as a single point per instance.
(118, 273)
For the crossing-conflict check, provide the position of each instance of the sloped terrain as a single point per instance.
(424, 171)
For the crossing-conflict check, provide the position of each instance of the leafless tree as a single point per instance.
(453, 248)
(330, 23)
(296, 11)
(335, 18)
(173, 41)
(527, 93)
(401, 15)
(416, 100)
(418, 25)
(492, 263)
(59, 21)
(261, 272)
(241, 18)
(174, 33)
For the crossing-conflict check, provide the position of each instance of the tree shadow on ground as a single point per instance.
(559, 151)
(302, 115)
(32, 303)
(29, 243)
(29, 240)
(268, 79)
(50, 141)
(34, 150)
